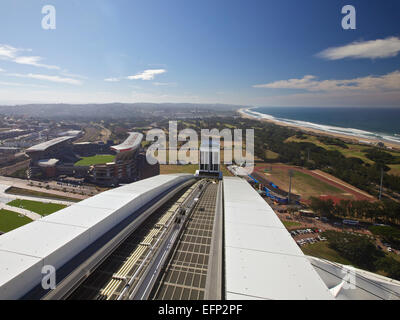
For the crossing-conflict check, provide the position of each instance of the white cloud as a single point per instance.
(73, 75)
(328, 99)
(33, 61)
(371, 90)
(10, 53)
(165, 84)
(147, 74)
(7, 52)
(17, 84)
(45, 77)
(388, 82)
(374, 49)
(303, 83)
(111, 79)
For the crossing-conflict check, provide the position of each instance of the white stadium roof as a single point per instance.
(132, 142)
(45, 145)
(261, 259)
(57, 238)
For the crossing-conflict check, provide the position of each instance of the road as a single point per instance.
(21, 183)
(7, 197)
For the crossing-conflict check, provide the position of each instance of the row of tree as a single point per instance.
(386, 211)
(362, 253)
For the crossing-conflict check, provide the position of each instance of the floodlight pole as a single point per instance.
(290, 184)
(380, 188)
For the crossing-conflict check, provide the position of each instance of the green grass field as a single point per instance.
(41, 208)
(291, 224)
(271, 155)
(303, 184)
(353, 151)
(10, 220)
(314, 140)
(174, 168)
(322, 250)
(312, 182)
(189, 168)
(394, 169)
(98, 159)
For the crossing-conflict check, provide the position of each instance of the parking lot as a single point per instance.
(307, 236)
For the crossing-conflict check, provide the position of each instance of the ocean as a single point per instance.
(373, 123)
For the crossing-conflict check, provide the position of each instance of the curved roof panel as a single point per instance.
(45, 145)
(132, 142)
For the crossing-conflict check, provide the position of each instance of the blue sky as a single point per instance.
(262, 53)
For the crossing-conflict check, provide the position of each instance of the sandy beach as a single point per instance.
(349, 138)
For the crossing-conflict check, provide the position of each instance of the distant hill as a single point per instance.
(112, 110)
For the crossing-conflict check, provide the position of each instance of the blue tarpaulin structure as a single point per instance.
(255, 180)
(273, 185)
(269, 194)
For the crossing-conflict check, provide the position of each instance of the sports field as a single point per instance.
(97, 159)
(41, 208)
(303, 184)
(10, 220)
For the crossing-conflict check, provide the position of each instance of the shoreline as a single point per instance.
(342, 136)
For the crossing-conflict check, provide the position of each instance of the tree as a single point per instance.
(322, 207)
(357, 249)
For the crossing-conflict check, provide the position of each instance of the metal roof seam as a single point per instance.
(272, 252)
(21, 254)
